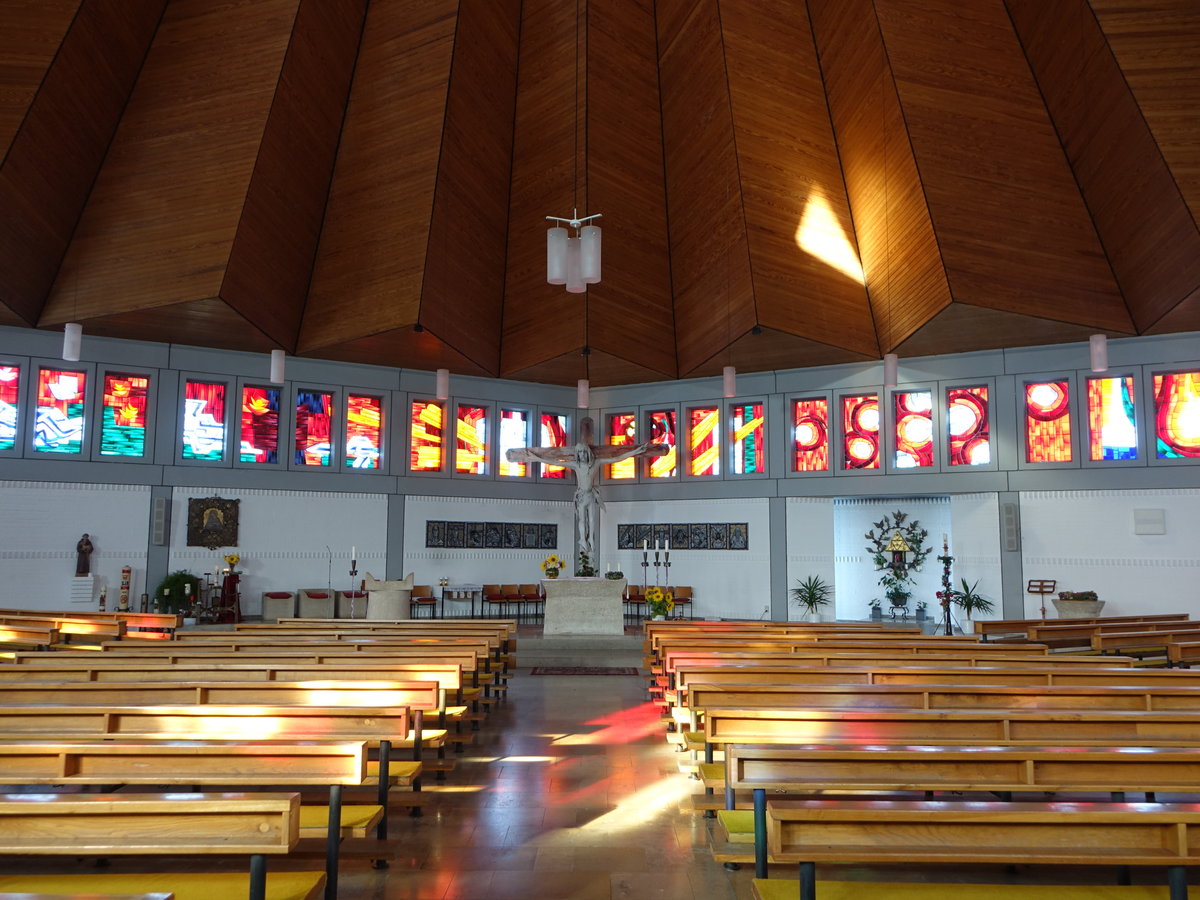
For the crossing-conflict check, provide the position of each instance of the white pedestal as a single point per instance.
(584, 606)
(83, 589)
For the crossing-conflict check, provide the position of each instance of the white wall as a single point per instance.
(1085, 541)
(288, 539)
(473, 566)
(810, 548)
(856, 577)
(975, 546)
(40, 523)
(726, 583)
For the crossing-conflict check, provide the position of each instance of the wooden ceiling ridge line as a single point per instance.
(912, 152)
(666, 205)
(99, 165)
(294, 349)
(837, 148)
(1083, 194)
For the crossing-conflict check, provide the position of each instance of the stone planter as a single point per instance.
(1077, 609)
(876, 612)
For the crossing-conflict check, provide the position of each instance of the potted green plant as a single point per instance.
(173, 594)
(812, 593)
(970, 601)
(876, 608)
(922, 606)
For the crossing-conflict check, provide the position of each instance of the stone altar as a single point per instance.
(584, 606)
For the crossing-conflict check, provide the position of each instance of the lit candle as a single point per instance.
(645, 546)
(945, 539)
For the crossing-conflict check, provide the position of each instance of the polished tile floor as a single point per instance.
(570, 791)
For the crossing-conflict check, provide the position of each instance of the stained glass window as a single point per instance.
(58, 419)
(1112, 428)
(260, 425)
(622, 432)
(123, 415)
(860, 432)
(704, 441)
(364, 431)
(204, 420)
(967, 421)
(749, 451)
(662, 431)
(554, 434)
(10, 405)
(471, 440)
(1177, 415)
(810, 435)
(426, 444)
(914, 428)
(314, 428)
(514, 433)
(1048, 422)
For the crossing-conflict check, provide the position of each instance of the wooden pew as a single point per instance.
(70, 630)
(808, 832)
(1118, 642)
(1081, 635)
(255, 824)
(42, 637)
(1110, 771)
(987, 627)
(152, 626)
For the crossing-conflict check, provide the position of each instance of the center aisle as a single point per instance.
(568, 793)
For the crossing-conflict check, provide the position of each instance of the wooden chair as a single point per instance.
(683, 602)
(422, 598)
(535, 602)
(493, 599)
(635, 604)
(512, 597)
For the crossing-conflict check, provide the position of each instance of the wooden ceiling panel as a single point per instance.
(630, 313)
(710, 259)
(202, 323)
(1184, 316)
(55, 141)
(402, 348)
(602, 369)
(371, 258)
(542, 321)
(1146, 228)
(1013, 231)
(161, 219)
(270, 262)
(772, 349)
(1155, 42)
(961, 329)
(30, 38)
(803, 250)
(463, 292)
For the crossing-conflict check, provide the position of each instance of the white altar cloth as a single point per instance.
(584, 606)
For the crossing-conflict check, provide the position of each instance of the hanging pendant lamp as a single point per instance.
(278, 358)
(72, 341)
(891, 365)
(1099, 352)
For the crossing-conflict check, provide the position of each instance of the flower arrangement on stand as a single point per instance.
(946, 594)
(659, 602)
(585, 569)
(552, 565)
(231, 560)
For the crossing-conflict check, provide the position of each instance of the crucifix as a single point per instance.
(585, 460)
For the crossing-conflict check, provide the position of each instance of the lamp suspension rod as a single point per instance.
(573, 223)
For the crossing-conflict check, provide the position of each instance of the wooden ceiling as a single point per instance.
(783, 183)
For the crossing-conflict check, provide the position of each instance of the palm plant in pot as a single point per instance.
(970, 601)
(812, 593)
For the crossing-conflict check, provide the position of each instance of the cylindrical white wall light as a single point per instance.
(582, 394)
(443, 384)
(729, 381)
(1099, 352)
(556, 255)
(891, 365)
(72, 341)
(277, 366)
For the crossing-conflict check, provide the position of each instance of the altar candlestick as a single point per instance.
(645, 546)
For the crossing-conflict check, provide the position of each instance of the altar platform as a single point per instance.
(584, 606)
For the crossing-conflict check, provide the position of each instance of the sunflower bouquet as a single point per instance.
(231, 560)
(659, 602)
(552, 565)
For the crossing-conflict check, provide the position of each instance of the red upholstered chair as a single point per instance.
(493, 599)
(635, 604)
(683, 602)
(315, 603)
(535, 603)
(422, 599)
(278, 605)
(512, 598)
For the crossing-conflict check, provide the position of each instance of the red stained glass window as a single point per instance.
(662, 431)
(10, 405)
(914, 428)
(1112, 428)
(967, 421)
(810, 435)
(622, 432)
(58, 418)
(1177, 415)
(204, 420)
(1048, 422)
(704, 444)
(314, 428)
(123, 415)
(260, 425)
(749, 451)
(470, 455)
(860, 432)
(427, 432)
(364, 431)
(554, 434)
(514, 434)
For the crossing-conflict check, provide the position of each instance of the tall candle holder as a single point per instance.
(645, 572)
(667, 567)
(657, 565)
(353, 591)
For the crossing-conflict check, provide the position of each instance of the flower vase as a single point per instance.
(552, 573)
(658, 618)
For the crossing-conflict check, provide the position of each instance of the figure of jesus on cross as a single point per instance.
(585, 460)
